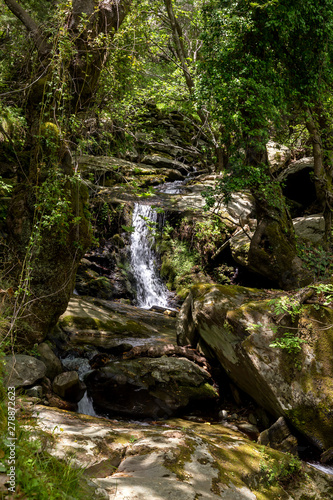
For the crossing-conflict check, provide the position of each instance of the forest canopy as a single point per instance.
(85, 76)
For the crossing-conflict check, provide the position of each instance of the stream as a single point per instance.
(151, 290)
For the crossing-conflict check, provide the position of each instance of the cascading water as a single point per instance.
(151, 291)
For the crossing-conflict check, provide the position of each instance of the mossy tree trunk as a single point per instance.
(321, 138)
(273, 252)
(48, 220)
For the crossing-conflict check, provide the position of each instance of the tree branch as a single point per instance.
(30, 25)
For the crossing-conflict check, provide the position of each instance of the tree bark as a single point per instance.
(31, 26)
(46, 266)
(273, 252)
(322, 169)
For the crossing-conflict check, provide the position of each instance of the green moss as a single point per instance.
(203, 391)
(181, 455)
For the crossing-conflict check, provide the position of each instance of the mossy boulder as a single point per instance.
(239, 325)
(177, 459)
(100, 323)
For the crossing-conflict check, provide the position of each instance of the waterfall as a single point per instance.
(151, 291)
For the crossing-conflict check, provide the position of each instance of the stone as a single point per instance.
(35, 392)
(149, 387)
(100, 323)
(238, 325)
(177, 459)
(51, 361)
(278, 155)
(239, 246)
(310, 228)
(279, 437)
(22, 370)
(68, 386)
(163, 162)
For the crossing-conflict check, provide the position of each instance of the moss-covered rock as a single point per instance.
(99, 323)
(180, 460)
(239, 325)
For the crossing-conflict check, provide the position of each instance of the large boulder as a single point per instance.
(182, 459)
(310, 228)
(147, 387)
(104, 324)
(22, 370)
(239, 325)
(278, 155)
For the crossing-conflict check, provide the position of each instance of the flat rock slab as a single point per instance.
(178, 459)
(105, 324)
(22, 370)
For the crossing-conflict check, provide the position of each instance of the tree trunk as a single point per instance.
(46, 251)
(322, 168)
(273, 251)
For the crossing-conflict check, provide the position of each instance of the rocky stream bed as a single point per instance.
(158, 402)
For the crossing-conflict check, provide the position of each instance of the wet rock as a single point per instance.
(146, 387)
(279, 437)
(239, 325)
(22, 370)
(68, 386)
(51, 361)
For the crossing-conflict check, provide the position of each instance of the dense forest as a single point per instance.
(166, 174)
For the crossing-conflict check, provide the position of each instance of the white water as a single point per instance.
(323, 468)
(151, 291)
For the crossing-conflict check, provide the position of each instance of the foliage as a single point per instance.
(316, 259)
(324, 293)
(262, 62)
(279, 472)
(290, 342)
(286, 304)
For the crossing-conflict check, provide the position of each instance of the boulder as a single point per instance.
(50, 360)
(164, 162)
(149, 387)
(278, 155)
(99, 323)
(310, 228)
(239, 325)
(240, 245)
(109, 171)
(177, 459)
(68, 386)
(279, 437)
(22, 370)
